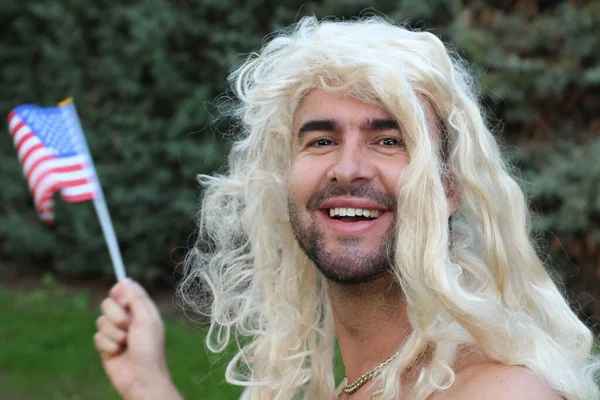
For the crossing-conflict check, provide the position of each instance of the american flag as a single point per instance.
(53, 154)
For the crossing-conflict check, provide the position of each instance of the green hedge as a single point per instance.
(145, 73)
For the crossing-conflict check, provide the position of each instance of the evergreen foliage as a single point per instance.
(144, 75)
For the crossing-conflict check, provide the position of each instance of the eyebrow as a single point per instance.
(380, 124)
(331, 125)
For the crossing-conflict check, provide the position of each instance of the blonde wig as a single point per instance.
(474, 280)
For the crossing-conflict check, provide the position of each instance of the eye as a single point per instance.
(391, 142)
(321, 143)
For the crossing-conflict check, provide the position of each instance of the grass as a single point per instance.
(46, 351)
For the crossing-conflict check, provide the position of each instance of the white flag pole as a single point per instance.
(69, 113)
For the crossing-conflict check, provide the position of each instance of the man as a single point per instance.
(363, 153)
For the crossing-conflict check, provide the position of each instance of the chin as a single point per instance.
(352, 267)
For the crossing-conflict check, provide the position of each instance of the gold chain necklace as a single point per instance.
(366, 377)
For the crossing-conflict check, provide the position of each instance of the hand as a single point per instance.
(130, 340)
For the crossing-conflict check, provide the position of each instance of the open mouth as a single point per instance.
(353, 214)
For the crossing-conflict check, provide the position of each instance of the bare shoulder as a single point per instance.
(497, 382)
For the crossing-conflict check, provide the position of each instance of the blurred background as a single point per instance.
(145, 75)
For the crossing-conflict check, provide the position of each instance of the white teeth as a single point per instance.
(351, 212)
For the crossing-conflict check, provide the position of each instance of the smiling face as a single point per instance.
(347, 159)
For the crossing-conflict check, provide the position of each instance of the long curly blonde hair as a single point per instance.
(472, 280)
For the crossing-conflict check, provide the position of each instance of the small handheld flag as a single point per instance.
(51, 157)
(53, 153)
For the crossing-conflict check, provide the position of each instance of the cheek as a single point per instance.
(304, 180)
(391, 175)
(297, 183)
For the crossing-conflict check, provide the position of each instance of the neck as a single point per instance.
(371, 323)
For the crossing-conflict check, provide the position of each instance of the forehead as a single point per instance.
(321, 104)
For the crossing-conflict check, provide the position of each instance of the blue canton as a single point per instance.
(49, 126)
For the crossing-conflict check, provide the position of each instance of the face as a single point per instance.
(346, 163)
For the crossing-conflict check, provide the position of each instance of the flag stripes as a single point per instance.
(48, 160)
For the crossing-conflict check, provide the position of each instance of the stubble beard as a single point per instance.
(348, 264)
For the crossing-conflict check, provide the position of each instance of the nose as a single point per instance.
(352, 167)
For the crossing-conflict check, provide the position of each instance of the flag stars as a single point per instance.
(50, 127)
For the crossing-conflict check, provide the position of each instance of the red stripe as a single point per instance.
(38, 181)
(71, 168)
(43, 207)
(47, 197)
(35, 165)
(45, 210)
(78, 182)
(11, 115)
(23, 139)
(49, 210)
(16, 129)
(42, 210)
(79, 197)
(31, 150)
(68, 168)
(48, 192)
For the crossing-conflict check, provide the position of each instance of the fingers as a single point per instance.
(105, 346)
(110, 330)
(130, 294)
(115, 313)
(130, 322)
(112, 327)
